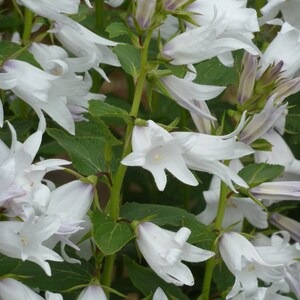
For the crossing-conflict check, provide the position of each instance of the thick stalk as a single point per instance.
(27, 26)
(210, 264)
(115, 197)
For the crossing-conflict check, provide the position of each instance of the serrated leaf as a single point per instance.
(213, 72)
(116, 29)
(8, 49)
(256, 174)
(130, 59)
(87, 153)
(64, 275)
(147, 281)
(102, 109)
(109, 235)
(168, 215)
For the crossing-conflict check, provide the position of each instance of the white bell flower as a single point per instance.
(87, 46)
(53, 296)
(20, 179)
(236, 209)
(114, 3)
(208, 41)
(92, 292)
(164, 250)
(13, 289)
(54, 9)
(285, 47)
(156, 150)
(245, 263)
(191, 95)
(203, 152)
(159, 295)
(37, 88)
(24, 240)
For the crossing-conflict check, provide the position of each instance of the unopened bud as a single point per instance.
(144, 12)
(248, 76)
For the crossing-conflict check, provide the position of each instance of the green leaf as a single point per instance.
(261, 145)
(9, 49)
(292, 123)
(256, 174)
(87, 153)
(147, 281)
(168, 215)
(213, 72)
(64, 275)
(130, 59)
(116, 29)
(109, 235)
(102, 109)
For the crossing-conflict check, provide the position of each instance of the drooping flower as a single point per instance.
(236, 208)
(203, 152)
(87, 46)
(285, 47)
(24, 240)
(156, 150)
(53, 296)
(92, 292)
(208, 41)
(164, 250)
(159, 295)
(20, 179)
(245, 263)
(114, 3)
(190, 95)
(13, 289)
(36, 87)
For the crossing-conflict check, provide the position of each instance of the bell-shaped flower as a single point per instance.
(20, 179)
(285, 47)
(245, 263)
(164, 250)
(263, 121)
(190, 95)
(13, 289)
(92, 292)
(285, 223)
(275, 157)
(203, 152)
(87, 46)
(54, 9)
(24, 240)
(36, 88)
(236, 209)
(208, 41)
(277, 249)
(240, 19)
(55, 60)
(159, 295)
(264, 293)
(287, 8)
(156, 150)
(70, 203)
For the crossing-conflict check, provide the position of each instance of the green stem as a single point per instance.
(100, 15)
(210, 264)
(27, 26)
(113, 207)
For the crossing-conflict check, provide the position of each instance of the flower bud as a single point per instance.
(144, 12)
